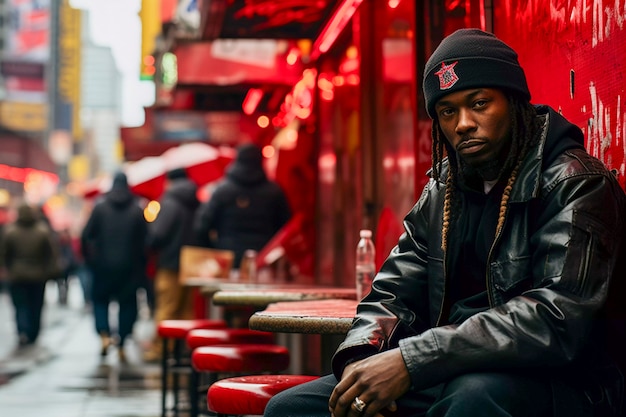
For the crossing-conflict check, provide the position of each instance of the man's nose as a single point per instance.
(465, 122)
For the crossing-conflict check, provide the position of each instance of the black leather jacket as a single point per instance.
(547, 279)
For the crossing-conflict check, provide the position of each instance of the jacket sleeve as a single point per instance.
(160, 230)
(88, 236)
(204, 219)
(572, 254)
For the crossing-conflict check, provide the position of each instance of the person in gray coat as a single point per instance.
(29, 254)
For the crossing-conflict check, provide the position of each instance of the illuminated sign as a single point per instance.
(69, 70)
(150, 29)
(24, 116)
(28, 29)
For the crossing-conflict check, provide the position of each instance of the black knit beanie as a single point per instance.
(471, 58)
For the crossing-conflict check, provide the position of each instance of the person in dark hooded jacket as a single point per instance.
(170, 231)
(246, 209)
(500, 297)
(29, 253)
(113, 244)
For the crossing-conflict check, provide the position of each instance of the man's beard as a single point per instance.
(490, 170)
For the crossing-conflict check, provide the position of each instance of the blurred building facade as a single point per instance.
(101, 92)
(60, 108)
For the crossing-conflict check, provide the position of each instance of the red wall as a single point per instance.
(555, 38)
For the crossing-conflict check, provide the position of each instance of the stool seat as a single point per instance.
(207, 337)
(178, 329)
(175, 357)
(248, 395)
(246, 358)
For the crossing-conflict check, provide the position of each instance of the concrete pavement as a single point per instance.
(63, 375)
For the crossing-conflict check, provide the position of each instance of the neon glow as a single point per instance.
(268, 151)
(26, 175)
(335, 25)
(252, 100)
(263, 121)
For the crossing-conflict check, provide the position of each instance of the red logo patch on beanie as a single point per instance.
(447, 76)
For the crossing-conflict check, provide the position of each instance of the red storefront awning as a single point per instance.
(22, 152)
(223, 63)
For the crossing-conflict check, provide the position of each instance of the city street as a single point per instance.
(63, 375)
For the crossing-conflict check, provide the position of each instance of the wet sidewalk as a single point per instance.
(63, 375)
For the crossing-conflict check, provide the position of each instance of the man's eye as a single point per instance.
(446, 112)
(480, 103)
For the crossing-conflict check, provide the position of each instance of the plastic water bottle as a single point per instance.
(247, 269)
(365, 264)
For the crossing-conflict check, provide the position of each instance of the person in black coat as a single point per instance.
(246, 208)
(170, 231)
(113, 243)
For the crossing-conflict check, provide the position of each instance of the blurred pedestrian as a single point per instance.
(246, 209)
(29, 254)
(59, 280)
(113, 245)
(68, 264)
(81, 270)
(4, 220)
(170, 231)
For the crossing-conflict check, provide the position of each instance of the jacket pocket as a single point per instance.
(512, 276)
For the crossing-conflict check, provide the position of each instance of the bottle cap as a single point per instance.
(365, 233)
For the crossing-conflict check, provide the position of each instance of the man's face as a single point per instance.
(476, 123)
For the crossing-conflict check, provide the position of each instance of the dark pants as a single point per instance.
(470, 395)
(86, 281)
(28, 298)
(127, 316)
(114, 285)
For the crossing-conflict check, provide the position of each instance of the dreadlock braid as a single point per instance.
(447, 215)
(524, 125)
(437, 151)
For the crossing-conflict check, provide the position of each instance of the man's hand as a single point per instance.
(378, 381)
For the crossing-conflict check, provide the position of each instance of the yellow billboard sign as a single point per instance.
(23, 116)
(69, 63)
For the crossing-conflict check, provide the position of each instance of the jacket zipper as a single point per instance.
(445, 285)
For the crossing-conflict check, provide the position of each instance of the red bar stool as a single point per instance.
(200, 382)
(176, 361)
(209, 337)
(222, 361)
(248, 395)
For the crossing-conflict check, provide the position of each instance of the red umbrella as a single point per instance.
(146, 177)
(202, 162)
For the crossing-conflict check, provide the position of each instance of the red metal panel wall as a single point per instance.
(574, 54)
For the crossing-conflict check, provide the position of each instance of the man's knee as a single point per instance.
(309, 399)
(279, 405)
(502, 393)
(473, 385)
